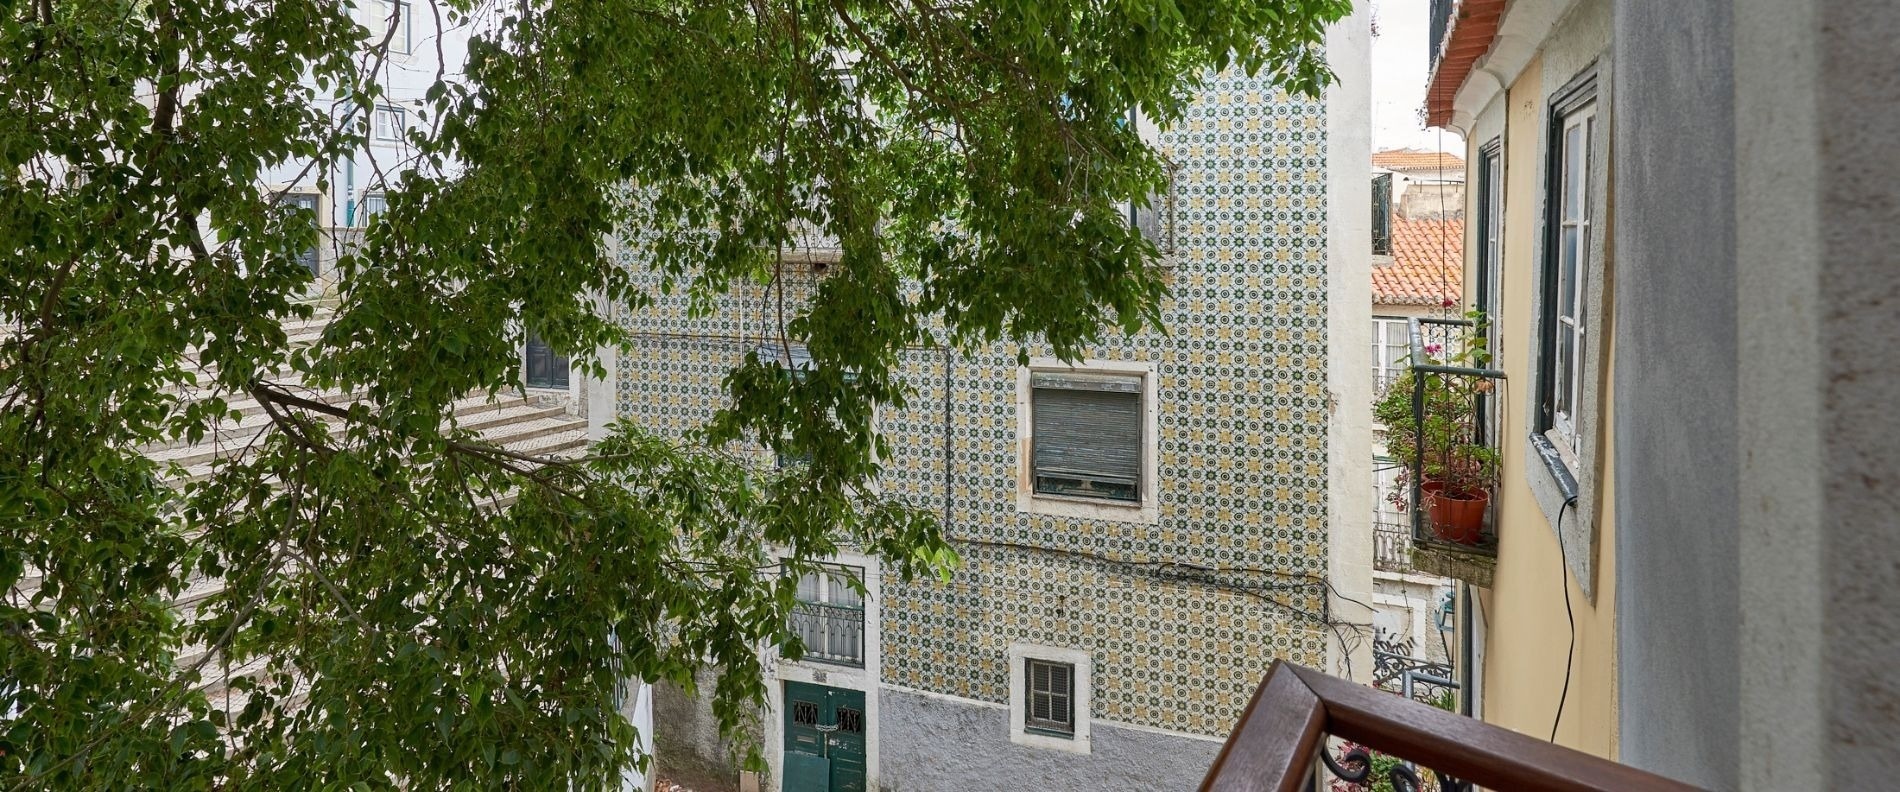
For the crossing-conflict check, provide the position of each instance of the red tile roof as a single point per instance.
(1427, 265)
(1474, 23)
(1417, 159)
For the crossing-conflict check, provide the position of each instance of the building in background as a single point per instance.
(1417, 271)
(1115, 611)
(1683, 225)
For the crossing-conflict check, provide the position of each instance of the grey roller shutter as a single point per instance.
(1086, 435)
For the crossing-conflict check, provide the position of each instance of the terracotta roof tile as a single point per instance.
(1417, 159)
(1427, 265)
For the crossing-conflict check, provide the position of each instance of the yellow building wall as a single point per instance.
(1527, 632)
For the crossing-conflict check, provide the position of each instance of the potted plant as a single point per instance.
(1443, 443)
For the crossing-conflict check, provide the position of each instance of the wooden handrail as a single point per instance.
(1275, 745)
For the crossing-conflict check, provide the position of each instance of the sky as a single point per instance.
(1398, 78)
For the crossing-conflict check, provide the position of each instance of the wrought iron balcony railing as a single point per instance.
(1447, 441)
(1281, 741)
(1420, 680)
(831, 633)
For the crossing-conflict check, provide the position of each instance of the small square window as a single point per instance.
(1051, 697)
(389, 124)
(1049, 691)
(1087, 435)
(373, 205)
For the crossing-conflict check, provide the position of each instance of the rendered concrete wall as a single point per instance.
(687, 745)
(1676, 361)
(933, 744)
(1528, 643)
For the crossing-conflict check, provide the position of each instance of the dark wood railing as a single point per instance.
(1276, 745)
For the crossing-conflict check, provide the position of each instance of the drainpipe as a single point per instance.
(1467, 674)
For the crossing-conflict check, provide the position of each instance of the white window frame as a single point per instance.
(377, 14)
(1568, 319)
(381, 122)
(1081, 699)
(1029, 501)
(1387, 351)
(363, 213)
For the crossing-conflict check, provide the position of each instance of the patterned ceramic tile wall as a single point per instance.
(1242, 453)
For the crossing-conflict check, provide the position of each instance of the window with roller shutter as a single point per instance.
(1087, 435)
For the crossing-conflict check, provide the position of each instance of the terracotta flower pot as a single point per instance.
(1456, 519)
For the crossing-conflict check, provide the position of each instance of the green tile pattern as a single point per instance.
(1242, 451)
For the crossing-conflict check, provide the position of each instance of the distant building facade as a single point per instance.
(1111, 618)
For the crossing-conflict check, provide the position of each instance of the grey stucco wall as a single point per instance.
(1859, 132)
(687, 745)
(1675, 372)
(930, 744)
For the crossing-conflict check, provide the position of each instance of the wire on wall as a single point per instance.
(1563, 579)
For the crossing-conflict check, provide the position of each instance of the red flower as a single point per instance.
(1449, 302)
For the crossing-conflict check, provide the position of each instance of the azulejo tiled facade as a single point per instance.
(1181, 617)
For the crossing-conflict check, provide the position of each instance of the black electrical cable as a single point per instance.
(1563, 574)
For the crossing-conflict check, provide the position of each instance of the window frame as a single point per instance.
(829, 579)
(1559, 430)
(1081, 680)
(1146, 508)
(379, 11)
(1382, 186)
(363, 213)
(1383, 374)
(1490, 236)
(378, 126)
(528, 340)
(312, 257)
(1064, 728)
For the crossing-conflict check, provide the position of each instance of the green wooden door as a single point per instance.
(824, 739)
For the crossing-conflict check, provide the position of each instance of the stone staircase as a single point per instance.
(538, 426)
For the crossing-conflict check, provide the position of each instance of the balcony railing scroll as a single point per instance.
(1449, 446)
(1281, 740)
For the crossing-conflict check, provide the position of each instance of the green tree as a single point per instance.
(967, 156)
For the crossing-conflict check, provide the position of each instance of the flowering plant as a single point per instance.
(1456, 462)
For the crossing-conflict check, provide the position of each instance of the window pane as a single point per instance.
(841, 592)
(1573, 173)
(1565, 370)
(1569, 258)
(808, 588)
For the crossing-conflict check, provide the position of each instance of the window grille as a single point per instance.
(306, 202)
(1087, 435)
(1382, 214)
(829, 617)
(1051, 697)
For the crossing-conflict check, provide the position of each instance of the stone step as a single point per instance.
(231, 438)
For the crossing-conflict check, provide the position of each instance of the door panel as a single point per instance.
(825, 731)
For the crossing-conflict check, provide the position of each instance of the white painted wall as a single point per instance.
(1349, 337)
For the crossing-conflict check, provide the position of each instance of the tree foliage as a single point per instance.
(395, 629)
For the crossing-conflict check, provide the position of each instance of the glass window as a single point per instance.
(373, 204)
(389, 19)
(829, 616)
(389, 124)
(1051, 697)
(1567, 293)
